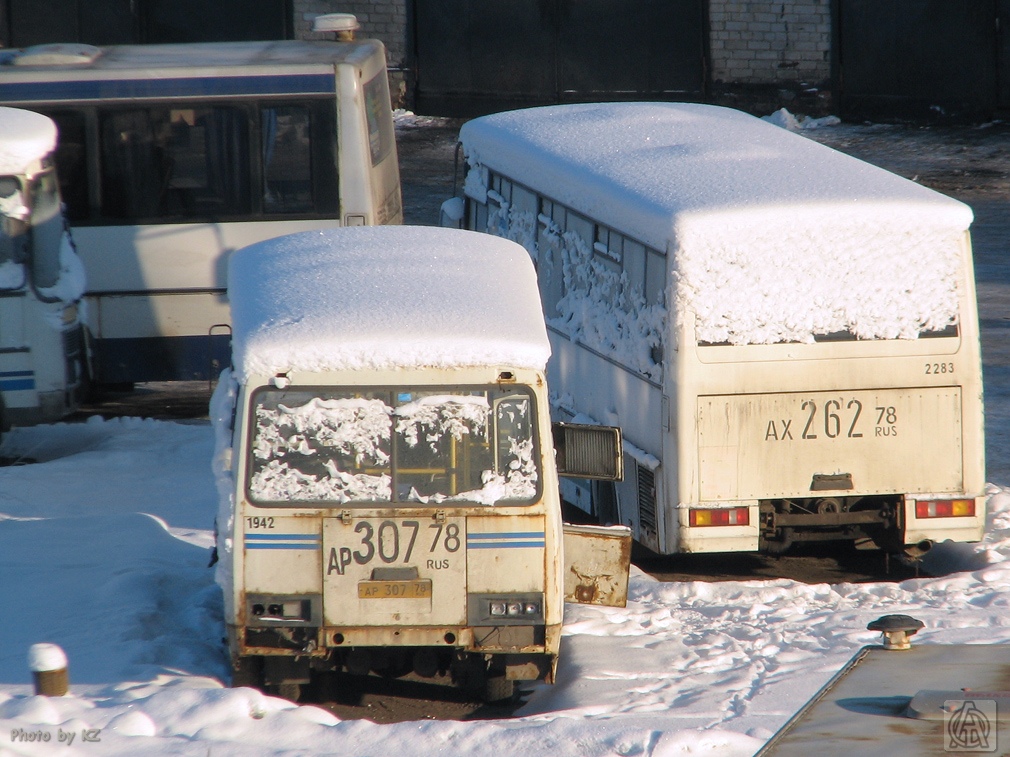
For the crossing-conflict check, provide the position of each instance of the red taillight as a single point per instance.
(945, 508)
(734, 516)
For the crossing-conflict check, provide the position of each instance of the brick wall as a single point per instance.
(770, 42)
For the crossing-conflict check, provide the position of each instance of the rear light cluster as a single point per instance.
(498, 608)
(735, 516)
(945, 508)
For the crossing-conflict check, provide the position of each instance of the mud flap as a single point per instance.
(597, 564)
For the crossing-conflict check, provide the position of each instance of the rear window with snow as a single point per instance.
(401, 445)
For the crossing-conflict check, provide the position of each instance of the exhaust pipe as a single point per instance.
(916, 551)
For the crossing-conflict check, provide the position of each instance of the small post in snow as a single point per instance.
(897, 630)
(48, 664)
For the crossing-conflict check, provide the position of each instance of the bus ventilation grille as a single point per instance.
(646, 499)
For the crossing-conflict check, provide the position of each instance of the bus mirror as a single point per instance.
(451, 214)
(584, 451)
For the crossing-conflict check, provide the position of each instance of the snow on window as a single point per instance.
(334, 449)
(431, 419)
(403, 446)
(598, 305)
(749, 281)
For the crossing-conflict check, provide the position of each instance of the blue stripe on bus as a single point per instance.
(197, 86)
(506, 540)
(508, 535)
(506, 545)
(17, 381)
(267, 545)
(17, 386)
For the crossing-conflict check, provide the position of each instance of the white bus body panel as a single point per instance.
(169, 279)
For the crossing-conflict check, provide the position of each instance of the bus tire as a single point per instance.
(247, 671)
(289, 691)
(498, 689)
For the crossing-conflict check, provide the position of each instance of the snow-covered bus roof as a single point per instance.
(388, 297)
(25, 138)
(647, 168)
(770, 236)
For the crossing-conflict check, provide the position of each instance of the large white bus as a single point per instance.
(386, 465)
(171, 156)
(787, 336)
(41, 279)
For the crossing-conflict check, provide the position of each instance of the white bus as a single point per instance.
(171, 156)
(41, 279)
(386, 465)
(787, 336)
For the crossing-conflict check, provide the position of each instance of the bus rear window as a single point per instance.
(406, 445)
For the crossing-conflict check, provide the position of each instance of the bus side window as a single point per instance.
(287, 159)
(583, 227)
(133, 168)
(655, 277)
(71, 162)
(523, 200)
(174, 163)
(634, 269)
(550, 263)
(479, 211)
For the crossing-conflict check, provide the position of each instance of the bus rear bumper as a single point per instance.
(727, 527)
(927, 519)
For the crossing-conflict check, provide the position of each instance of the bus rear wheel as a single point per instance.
(247, 671)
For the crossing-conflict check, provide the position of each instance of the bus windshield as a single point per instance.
(401, 445)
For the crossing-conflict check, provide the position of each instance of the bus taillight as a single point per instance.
(736, 516)
(945, 508)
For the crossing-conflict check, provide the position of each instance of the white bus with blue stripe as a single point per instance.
(172, 156)
(387, 467)
(41, 279)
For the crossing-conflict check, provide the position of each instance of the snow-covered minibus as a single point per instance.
(41, 279)
(386, 465)
(171, 156)
(787, 336)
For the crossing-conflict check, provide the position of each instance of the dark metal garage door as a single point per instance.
(476, 57)
(112, 22)
(921, 57)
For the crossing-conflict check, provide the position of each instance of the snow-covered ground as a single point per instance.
(104, 544)
(103, 550)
